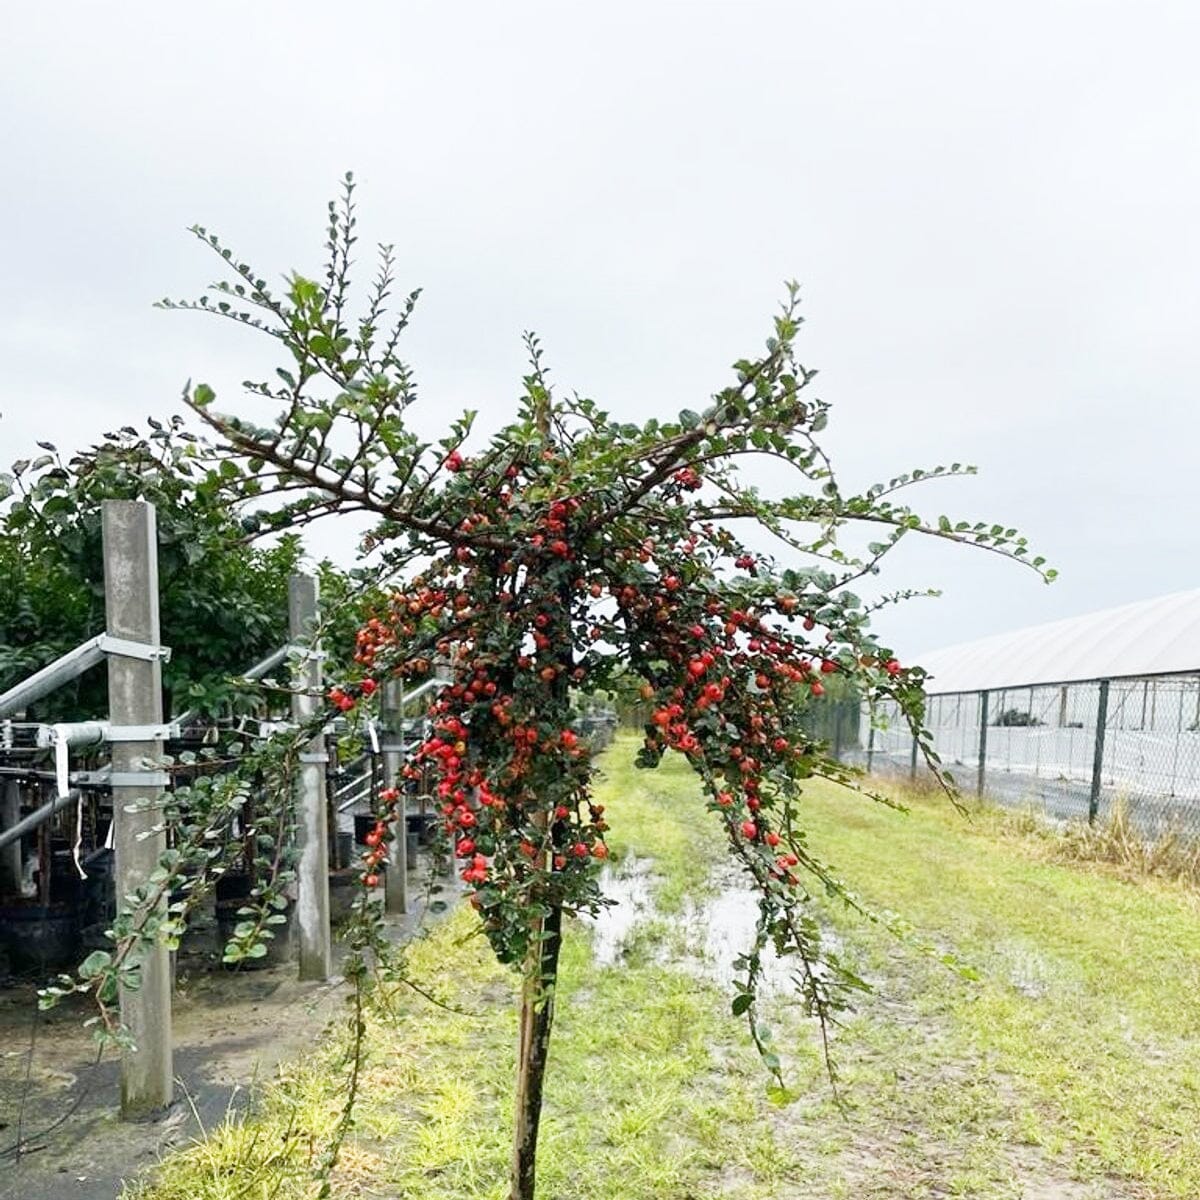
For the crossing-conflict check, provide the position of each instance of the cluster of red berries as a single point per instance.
(379, 835)
(346, 698)
(724, 677)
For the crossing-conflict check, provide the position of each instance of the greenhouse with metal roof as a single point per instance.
(1070, 716)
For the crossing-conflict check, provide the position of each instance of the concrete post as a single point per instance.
(10, 857)
(395, 894)
(135, 698)
(312, 838)
(983, 728)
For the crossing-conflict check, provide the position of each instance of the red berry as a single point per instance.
(749, 830)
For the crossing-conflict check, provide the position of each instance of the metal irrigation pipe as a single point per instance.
(265, 667)
(35, 818)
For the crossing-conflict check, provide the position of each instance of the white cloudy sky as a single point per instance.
(994, 211)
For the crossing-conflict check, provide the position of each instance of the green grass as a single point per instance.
(1068, 1070)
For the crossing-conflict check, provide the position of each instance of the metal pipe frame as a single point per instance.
(51, 677)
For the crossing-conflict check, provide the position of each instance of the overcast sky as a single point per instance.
(993, 210)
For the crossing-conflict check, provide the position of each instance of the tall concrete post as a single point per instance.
(10, 856)
(312, 837)
(395, 894)
(135, 699)
(981, 779)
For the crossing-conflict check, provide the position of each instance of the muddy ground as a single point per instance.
(231, 1028)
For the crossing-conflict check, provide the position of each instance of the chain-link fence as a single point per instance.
(1071, 750)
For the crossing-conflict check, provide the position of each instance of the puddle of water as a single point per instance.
(724, 927)
(629, 888)
(717, 931)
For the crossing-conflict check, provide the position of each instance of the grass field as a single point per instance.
(1069, 1070)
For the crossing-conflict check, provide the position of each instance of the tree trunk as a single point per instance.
(537, 1017)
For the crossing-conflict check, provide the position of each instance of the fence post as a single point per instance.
(983, 728)
(395, 881)
(135, 698)
(10, 856)
(312, 839)
(1098, 757)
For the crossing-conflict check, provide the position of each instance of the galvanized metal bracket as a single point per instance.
(142, 733)
(124, 648)
(137, 779)
(305, 654)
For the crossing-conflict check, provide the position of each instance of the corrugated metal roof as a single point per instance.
(1151, 637)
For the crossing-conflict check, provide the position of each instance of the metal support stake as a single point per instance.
(135, 698)
(1098, 756)
(870, 747)
(983, 728)
(912, 762)
(10, 855)
(395, 883)
(312, 901)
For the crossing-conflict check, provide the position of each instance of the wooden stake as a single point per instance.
(533, 1051)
